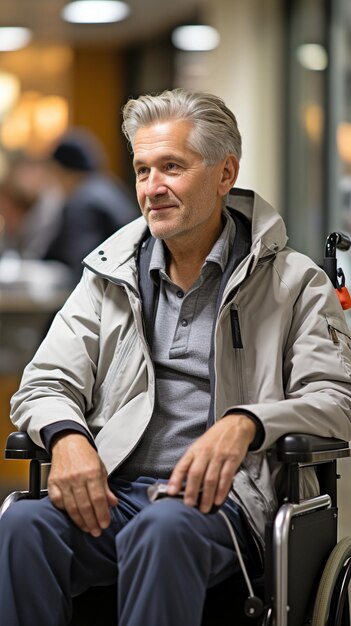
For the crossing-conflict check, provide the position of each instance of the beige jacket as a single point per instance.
(293, 372)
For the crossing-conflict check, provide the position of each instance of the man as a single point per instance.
(194, 340)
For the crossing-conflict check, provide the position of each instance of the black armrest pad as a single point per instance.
(296, 447)
(20, 446)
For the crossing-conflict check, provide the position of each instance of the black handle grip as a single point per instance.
(343, 242)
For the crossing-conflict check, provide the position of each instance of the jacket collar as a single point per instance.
(115, 258)
(268, 230)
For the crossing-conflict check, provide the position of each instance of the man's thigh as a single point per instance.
(169, 525)
(45, 537)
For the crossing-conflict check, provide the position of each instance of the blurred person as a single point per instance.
(96, 204)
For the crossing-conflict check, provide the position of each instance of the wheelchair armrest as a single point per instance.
(20, 446)
(303, 448)
(291, 448)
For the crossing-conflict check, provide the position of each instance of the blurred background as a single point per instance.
(283, 66)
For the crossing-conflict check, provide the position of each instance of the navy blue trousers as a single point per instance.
(162, 557)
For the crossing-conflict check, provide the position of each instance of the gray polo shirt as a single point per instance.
(180, 351)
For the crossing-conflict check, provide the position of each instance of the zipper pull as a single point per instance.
(333, 335)
(236, 333)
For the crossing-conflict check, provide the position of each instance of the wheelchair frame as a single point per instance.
(298, 452)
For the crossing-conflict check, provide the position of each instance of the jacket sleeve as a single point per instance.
(57, 385)
(316, 366)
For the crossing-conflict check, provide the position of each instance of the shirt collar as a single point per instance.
(220, 251)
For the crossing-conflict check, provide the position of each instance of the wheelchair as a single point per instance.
(306, 572)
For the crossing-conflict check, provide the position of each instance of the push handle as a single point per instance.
(336, 241)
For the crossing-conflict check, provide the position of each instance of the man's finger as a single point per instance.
(195, 478)
(55, 495)
(210, 485)
(71, 507)
(179, 474)
(97, 491)
(225, 483)
(111, 497)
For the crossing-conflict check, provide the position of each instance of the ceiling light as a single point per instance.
(95, 11)
(14, 38)
(312, 56)
(195, 38)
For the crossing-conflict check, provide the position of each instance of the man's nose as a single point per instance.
(155, 185)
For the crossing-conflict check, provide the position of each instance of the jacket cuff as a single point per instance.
(49, 432)
(259, 436)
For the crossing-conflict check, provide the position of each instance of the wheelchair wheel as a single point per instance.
(331, 606)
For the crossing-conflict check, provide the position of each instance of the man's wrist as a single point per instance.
(65, 434)
(246, 424)
(258, 439)
(51, 431)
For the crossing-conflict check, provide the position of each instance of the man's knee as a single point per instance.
(28, 516)
(163, 524)
(18, 517)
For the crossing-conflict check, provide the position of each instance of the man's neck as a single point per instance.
(185, 259)
(185, 272)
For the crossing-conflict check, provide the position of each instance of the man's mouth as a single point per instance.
(160, 207)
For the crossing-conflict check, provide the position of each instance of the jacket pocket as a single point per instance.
(340, 335)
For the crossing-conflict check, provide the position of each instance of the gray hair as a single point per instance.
(215, 131)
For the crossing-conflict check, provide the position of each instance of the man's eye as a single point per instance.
(141, 172)
(171, 166)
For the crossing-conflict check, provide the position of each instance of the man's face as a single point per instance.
(178, 194)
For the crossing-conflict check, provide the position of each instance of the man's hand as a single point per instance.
(212, 461)
(78, 483)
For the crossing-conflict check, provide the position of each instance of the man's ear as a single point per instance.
(229, 174)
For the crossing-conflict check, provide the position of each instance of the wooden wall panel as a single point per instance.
(13, 474)
(98, 94)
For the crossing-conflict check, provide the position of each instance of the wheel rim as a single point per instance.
(337, 561)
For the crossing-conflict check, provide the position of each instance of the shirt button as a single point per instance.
(184, 323)
(180, 293)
